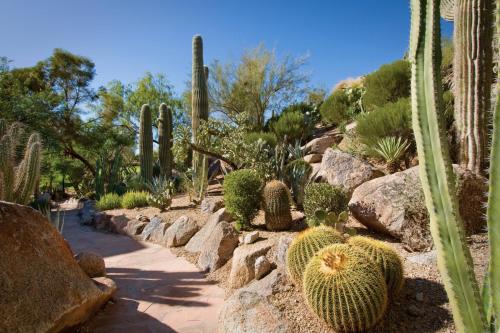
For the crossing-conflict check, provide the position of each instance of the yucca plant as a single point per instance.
(438, 181)
(161, 190)
(391, 149)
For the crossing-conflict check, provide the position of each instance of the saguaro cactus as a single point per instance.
(454, 259)
(165, 141)
(146, 144)
(472, 76)
(199, 106)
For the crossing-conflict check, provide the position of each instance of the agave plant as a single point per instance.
(298, 172)
(161, 191)
(391, 149)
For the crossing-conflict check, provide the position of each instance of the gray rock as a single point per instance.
(321, 144)
(155, 223)
(86, 212)
(313, 158)
(271, 284)
(179, 233)
(251, 237)
(243, 263)
(159, 231)
(394, 204)
(210, 205)
(196, 243)
(262, 267)
(135, 227)
(281, 249)
(91, 263)
(343, 169)
(218, 247)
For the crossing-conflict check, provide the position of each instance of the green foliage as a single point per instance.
(276, 205)
(297, 174)
(392, 119)
(269, 138)
(335, 109)
(135, 199)
(389, 83)
(109, 201)
(305, 245)
(291, 126)
(323, 196)
(345, 289)
(332, 219)
(385, 257)
(242, 195)
(160, 194)
(391, 150)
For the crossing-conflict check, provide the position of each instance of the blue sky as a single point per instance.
(127, 38)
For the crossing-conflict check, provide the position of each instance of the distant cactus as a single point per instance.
(165, 141)
(276, 202)
(385, 257)
(99, 178)
(345, 289)
(18, 180)
(146, 144)
(305, 245)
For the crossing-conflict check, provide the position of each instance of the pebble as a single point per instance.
(251, 237)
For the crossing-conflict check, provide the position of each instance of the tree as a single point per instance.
(259, 83)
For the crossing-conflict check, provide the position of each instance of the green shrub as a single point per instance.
(269, 138)
(335, 109)
(392, 119)
(323, 196)
(135, 199)
(161, 191)
(387, 84)
(291, 125)
(109, 201)
(242, 195)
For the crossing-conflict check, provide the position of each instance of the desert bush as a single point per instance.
(269, 138)
(335, 108)
(242, 195)
(109, 201)
(387, 84)
(392, 119)
(134, 199)
(291, 126)
(323, 196)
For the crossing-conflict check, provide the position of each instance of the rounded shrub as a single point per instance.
(291, 126)
(323, 196)
(385, 257)
(134, 199)
(345, 289)
(335, 109)
(109, 201)
(242, 195)
(269, 138)
(276, 204)
(305, 245)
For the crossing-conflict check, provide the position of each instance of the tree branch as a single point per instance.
(212, 154)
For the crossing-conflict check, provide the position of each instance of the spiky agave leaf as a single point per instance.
(391, 148)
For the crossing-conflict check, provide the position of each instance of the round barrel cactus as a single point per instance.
(345, 288)
(276, 202)
(305, 245)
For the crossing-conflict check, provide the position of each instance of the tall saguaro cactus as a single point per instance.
(438, 181)
(199, 106)
(146, 144)
(472, 76)
(165, 141)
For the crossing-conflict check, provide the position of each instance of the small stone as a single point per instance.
(262, 267)
(419, 296)
(251, 237)
(91, 263)
(415, 311)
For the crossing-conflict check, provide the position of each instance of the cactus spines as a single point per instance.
(146, 144)
(385, 257)
(28, 172)
(199, 107)
(305, 245)
(276, 204)
(345, 289)
(165, 141)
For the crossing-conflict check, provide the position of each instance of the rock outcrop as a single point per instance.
(197, 242)
(179, 233)
(218, 247)
(243, 263)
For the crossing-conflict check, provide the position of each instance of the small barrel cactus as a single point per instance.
(345, 289)
(276, 202)
(305, 245)
(385, 257)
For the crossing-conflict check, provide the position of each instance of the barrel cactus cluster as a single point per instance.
(346, 282)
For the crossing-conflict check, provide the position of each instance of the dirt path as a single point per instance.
(157, 291)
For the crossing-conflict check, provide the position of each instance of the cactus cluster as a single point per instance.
(345, 289)
(146, 144)
(18, 178)
(385, 257)
(276, 205)
(305, 245)
(165, 141)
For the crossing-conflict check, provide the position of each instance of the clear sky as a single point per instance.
(127, 38)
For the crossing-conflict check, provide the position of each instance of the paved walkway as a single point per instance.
(157, 291)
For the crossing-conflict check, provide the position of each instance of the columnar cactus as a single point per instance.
(436, 174)
(385, 257)
(472, 76)
(305, 245)
(199, 106)
(345, 289)
(276, 204)
(146, 144)
(165, 141)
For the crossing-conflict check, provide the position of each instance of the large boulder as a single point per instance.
(395, 205)
(91, 263)
(313, 158)
(281, 250)
(211, 204)
(159, 230)
(218, 247)
(321, 144)
(156, 223)
(243, 263)
(179, 233)
(346, 170)
(198, 241)
(135, 227)
(42, 287)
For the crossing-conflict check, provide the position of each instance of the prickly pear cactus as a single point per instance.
(276, 204)
(345, 289)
